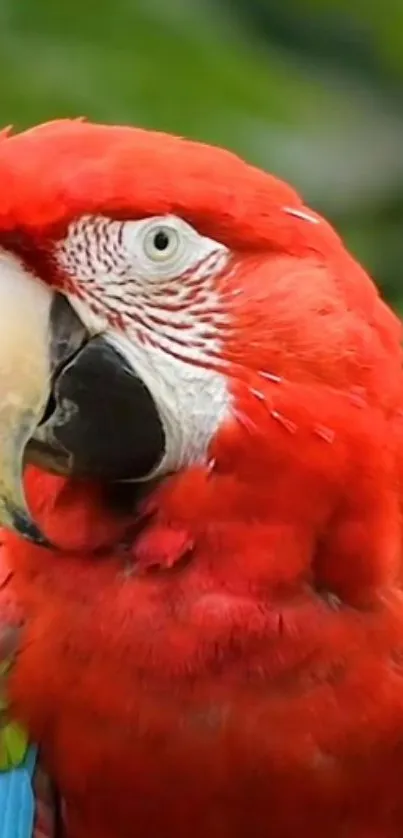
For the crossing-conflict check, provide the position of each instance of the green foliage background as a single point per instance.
(310, 89)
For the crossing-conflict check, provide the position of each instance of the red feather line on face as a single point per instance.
(181, 310)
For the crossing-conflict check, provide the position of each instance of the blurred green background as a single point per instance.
(309, 89)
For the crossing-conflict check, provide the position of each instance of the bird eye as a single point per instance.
(161, 243)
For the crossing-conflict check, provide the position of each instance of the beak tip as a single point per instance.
(23, 524)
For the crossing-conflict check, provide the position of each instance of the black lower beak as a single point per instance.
(101, 420)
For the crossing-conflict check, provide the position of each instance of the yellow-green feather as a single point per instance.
(13, 740)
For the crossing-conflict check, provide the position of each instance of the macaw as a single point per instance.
(201, 426)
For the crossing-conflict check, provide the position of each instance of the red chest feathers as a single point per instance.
(165, 703)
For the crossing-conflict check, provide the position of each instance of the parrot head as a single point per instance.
(201, 427)
(164, 308)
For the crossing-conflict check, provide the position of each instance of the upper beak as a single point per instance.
(68, 401)
(24, 385)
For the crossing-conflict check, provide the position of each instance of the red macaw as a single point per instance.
(205, 390)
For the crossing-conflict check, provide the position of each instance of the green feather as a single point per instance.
(13, 746)
(13, 739)
(4, 667)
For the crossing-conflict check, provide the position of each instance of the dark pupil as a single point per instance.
(161, 240)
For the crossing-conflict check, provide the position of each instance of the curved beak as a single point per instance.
(69, 402)
(24, 384)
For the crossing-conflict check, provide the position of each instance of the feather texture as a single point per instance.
(225, 659)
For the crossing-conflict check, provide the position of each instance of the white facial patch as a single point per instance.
(149, 285)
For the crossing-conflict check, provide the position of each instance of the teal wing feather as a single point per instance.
(17, 758)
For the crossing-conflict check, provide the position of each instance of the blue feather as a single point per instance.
(17, 802)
